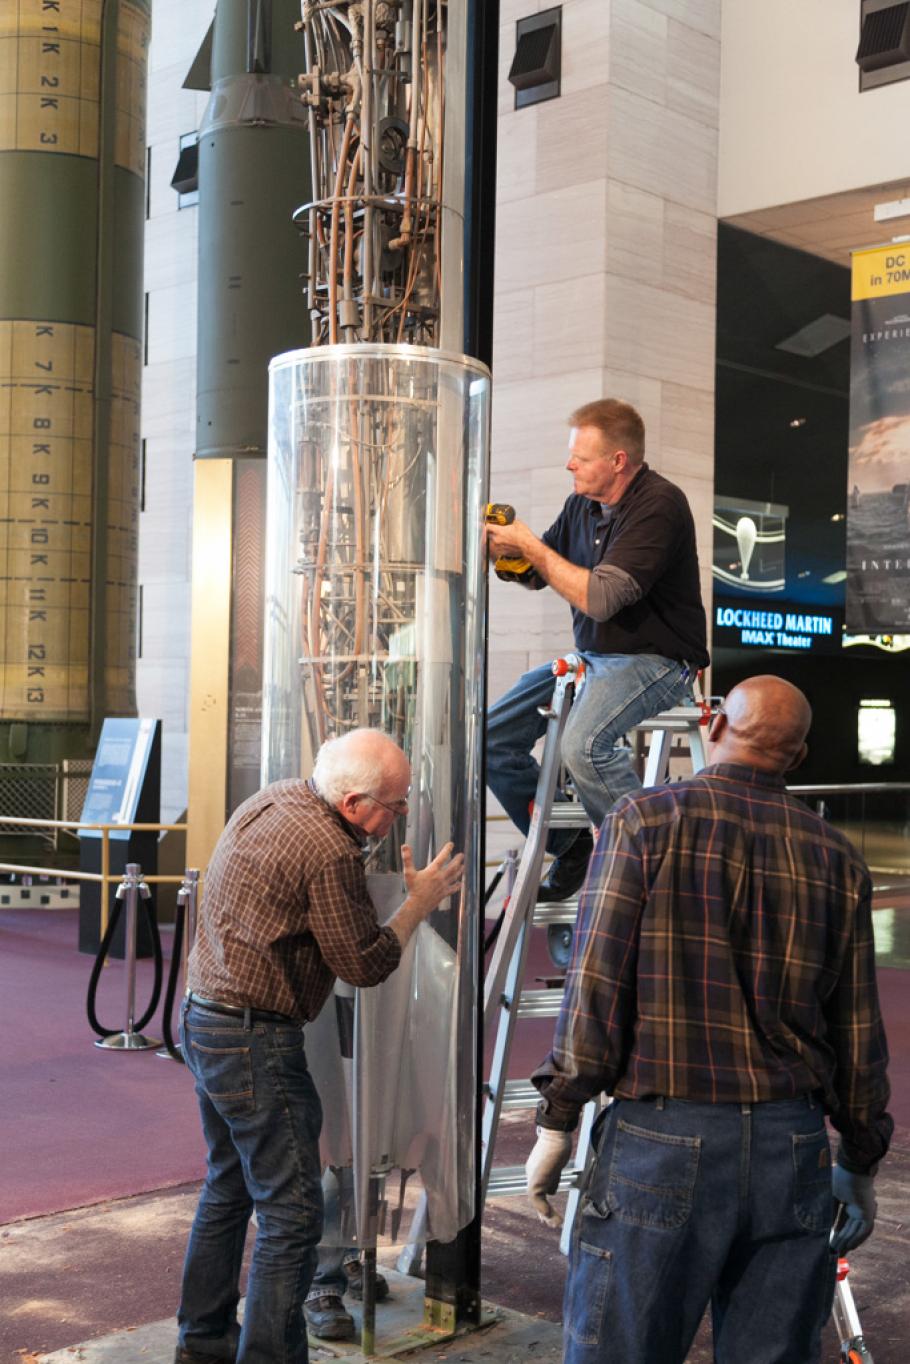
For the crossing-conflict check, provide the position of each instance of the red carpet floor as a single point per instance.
(79, 1125)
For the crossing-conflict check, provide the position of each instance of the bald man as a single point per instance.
(723, 991)
(285, 911)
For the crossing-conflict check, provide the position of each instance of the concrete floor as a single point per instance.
(100, 1284)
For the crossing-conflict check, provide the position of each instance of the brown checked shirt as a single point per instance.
(286, 909)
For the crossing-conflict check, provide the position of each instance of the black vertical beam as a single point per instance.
(453, 1268)
(480, 176)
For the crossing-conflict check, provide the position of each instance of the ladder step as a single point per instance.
(568, 814)
(556, 911)
(507, 1180)
(520, 1094)
(678, 718)
(539, 1003)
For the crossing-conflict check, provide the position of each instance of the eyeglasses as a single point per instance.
(396, 807)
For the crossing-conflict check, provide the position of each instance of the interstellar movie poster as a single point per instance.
(878, 490)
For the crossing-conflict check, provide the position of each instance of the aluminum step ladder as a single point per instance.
(505, 999)
(853, 1347)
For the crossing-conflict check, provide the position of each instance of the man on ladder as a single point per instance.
(622, 553)
(723, 992)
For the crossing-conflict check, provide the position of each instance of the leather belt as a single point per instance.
(218, 1006)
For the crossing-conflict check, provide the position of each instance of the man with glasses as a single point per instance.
(284, 913)
(723, 992)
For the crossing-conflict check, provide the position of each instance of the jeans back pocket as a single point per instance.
(225, 1073)
(652, 1177)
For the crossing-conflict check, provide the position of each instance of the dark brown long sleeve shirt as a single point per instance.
(724, 954)
(286, 908)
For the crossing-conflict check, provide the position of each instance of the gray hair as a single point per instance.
(353, 762)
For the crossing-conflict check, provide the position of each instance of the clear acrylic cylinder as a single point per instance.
(378, 474)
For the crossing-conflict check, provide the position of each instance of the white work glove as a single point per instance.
(543, 1167)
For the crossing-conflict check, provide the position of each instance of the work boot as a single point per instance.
(327, 1320)
(568, 871)
(354, 1271)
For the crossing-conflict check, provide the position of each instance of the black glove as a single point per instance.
(856, 1209)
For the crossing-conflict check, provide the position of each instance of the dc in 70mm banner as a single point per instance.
(878, 498)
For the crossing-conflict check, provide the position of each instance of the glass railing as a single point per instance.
(875, 816)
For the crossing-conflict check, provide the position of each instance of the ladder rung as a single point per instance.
(568, 814)
(506, 1180)
(520, 1094)
(677, 718)
(556, 911)
(539, 1003)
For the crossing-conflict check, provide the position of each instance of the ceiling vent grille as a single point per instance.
(883, 55)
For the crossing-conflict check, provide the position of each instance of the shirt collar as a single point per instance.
(358, 835)
(607, 509)
(742, 772)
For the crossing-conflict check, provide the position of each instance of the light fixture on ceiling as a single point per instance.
(816, 336)
(895, 208)
(796, 422)
(839, 516)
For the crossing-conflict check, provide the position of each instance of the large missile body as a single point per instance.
(72, 176)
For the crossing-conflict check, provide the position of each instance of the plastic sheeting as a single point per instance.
(377, 487)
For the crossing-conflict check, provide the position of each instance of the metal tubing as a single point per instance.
(368, 1323)
(191, 884)
(105, 877)
(132, 912)
(131, 889)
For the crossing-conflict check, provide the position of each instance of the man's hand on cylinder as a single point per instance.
(437, 881)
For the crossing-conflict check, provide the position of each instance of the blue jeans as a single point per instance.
(261, 1118)
(620, 690)
(692, 1203)
(330, 1276)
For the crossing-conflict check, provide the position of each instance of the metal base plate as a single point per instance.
(127, 1041)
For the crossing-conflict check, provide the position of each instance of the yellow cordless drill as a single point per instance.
(510, 570)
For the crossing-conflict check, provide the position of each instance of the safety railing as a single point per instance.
(875, 816)
(105, 878)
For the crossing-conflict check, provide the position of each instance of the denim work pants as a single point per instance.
(692, 1203)
(261, 1118)
(330, 1276)
(620, 690)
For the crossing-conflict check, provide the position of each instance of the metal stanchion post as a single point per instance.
(188, 897)
(130, 889)
(191, 889)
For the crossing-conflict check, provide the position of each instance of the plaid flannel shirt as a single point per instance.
(286, 909)
(724, 954)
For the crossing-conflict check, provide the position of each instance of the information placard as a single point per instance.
(117, 774)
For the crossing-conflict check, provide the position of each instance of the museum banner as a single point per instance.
(878, 497)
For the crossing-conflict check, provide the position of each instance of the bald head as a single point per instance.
(364, 761)
(764, 724)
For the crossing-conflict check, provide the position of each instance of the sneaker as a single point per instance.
(354, 1271)
(326, 1318)
(567, 873)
